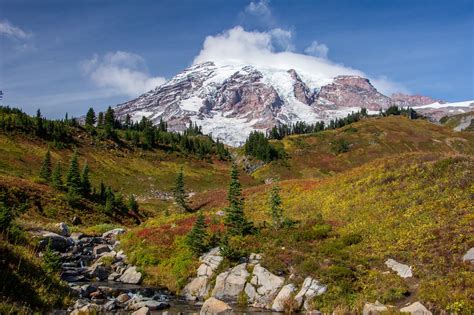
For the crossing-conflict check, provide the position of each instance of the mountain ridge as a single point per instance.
(231, 100)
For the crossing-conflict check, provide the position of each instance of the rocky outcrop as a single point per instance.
(351, 91)
(55, 241)
(469, 256)
(402, 270)
(309, 290)
(263, 287)
(63, 229)
(300, 90)
(213, 306)
(283, 298)
(416, 309)
(199, 287)
(230, 284)
(374, 308)
(401, 99)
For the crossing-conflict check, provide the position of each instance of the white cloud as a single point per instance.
(316, 49)
(9, 30)
(238, 46)
(282, 39)
(122, 71)
(258, 13)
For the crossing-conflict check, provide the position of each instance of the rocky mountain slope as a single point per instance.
(231, 100)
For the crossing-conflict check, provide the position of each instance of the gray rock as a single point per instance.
(266, 286)
(87, 289)
(98, 271)
(282, 298)
(309, 290)
(99, 249)
(110, 306)
(58, 243)
(255, 258)
(231, 283)
(215, 306)
(76, 236)
(402, 270)
(416, 309)
(63, 229)
(113, 233)
(469, 256)
(131, 275)
(152, 305)
(199, 287)
(142, 311)
(374, 308)
(122, 298)
(113, 276)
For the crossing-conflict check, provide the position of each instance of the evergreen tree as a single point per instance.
(179, 192)
(85, 181)
(57, 179)
(100, 120)
(196, 239)
(46, 169)
(102, 191)
(90, 117)
(109, 118)
(276, 210)
(6, 216)
(51, 259)
(235, 220)
(109, 204)
(39, 124)
(133, 204)
(73, 177)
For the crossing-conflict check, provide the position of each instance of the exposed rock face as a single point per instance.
(213, 306)
(309, 290)
(402, 270)
(283, 296)
(263, 287)
(113, 233)
(374, 308)
(401, 99)
(352, 91)
(232, 100)
(63, 229)
(416, 309)
(230, 284)
(56, 241)
(199, 287)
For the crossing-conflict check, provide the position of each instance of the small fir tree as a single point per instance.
(235, 220)
(57, 178)
(133, 204)
(100, 120)
(276, 210)
(196, 239)
(90, 117)
(45, 172)
(51, 259)
(73, 178)
(179, 192)
(85, 181)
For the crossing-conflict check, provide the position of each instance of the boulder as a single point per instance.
(265, 287)
(402, 270)
(131, 275)
(199, 287)
(113, 276)
(57, 242)
(63, 229)
(309, 290)
(76, 236)
(230, 284)
(98, 271)
(152, 305)
(89, 308)
(215, 306)
(416, 309)
(142, 311)
(99, 249)
(113, 233)
(255, 258)
(469, 256)
(122, 298)
(283, 297)
(374, 308)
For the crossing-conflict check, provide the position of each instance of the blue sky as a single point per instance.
(64, 56)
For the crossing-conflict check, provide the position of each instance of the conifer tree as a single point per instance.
(196, 239)
(100, 120)
(73, 178)
(276, 210)
(133, 204)
(46, 169)
(85, 181)
(90, 117)
(235, 220)
(57, 178)
(109, 204)
(179, 192)
(102, 191)
(109, 117)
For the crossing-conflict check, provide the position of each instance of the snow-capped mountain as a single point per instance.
(231, 100)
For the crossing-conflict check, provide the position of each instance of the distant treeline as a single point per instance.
(259, 146)
(106, 126)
